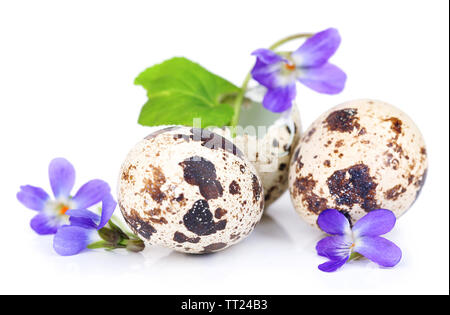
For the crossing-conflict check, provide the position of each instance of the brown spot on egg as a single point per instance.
(235, 236)
(304, 186)
(126, 174)
(153, 212)
(327, 163)
(138, 225)
(299, 164)
(354, 185)
(256, 188)
(315, 203)
(180, 198)
(181, 136)
(362, 132)
(219, 213)
(309, 135)
(390, 161)
(396, 124)
(200, 221)
(275, 143)
(214, 247)
(234, 188)
(339, 143)
(410, 179)
(295, 156)
(344, 120)
(158, 221)
(202, 173)
(214, 141)
(153, 186)
(396, 147)
(181, 238)
(394, 192)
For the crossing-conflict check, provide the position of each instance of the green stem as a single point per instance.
(289, 38)
(240, 96)
(239, 99)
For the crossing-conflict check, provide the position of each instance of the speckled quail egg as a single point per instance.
(269, 148)
(359, 156)
(190, 190)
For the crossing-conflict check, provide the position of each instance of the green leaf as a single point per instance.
(180, 90)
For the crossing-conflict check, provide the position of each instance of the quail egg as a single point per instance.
(190, 190)
(268, 141)
(359, 156)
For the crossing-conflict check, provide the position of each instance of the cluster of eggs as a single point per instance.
(198, 191)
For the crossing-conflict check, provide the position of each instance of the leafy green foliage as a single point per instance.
(180, 90)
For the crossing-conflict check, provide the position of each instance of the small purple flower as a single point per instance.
(83, 229)
(308, 64)
(364, 239)
(53, 213)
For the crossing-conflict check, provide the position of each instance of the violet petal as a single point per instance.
(83, 222)
(83, 217)
(379, 250)
(327, 79)
(334, 247)
(375, 223)
(333, 265)
(267, 56)
(91, 193)
(108, 207)
(266, 74)
(279, 99)
(317, 49)
(333, 222)
(32, 197)
(62, 177)
(71, 240)
(44, 225)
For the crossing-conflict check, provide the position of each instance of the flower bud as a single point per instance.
(135, 246)
(112, 237)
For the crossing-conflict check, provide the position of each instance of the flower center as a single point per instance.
(63, 209)
(289, 66)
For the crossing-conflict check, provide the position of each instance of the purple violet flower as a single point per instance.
(83, 229)
(364, 239)
(53, 213)
(308, 64)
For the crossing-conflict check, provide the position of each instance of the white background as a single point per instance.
(66, 89)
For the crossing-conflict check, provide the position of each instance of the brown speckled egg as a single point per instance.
(190, 190)
(359, 156)
(271, 152)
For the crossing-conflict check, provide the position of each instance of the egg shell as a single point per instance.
(270, 154)
(190, 190)
(358, 156)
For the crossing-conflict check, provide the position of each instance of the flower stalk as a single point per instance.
(113, 237)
